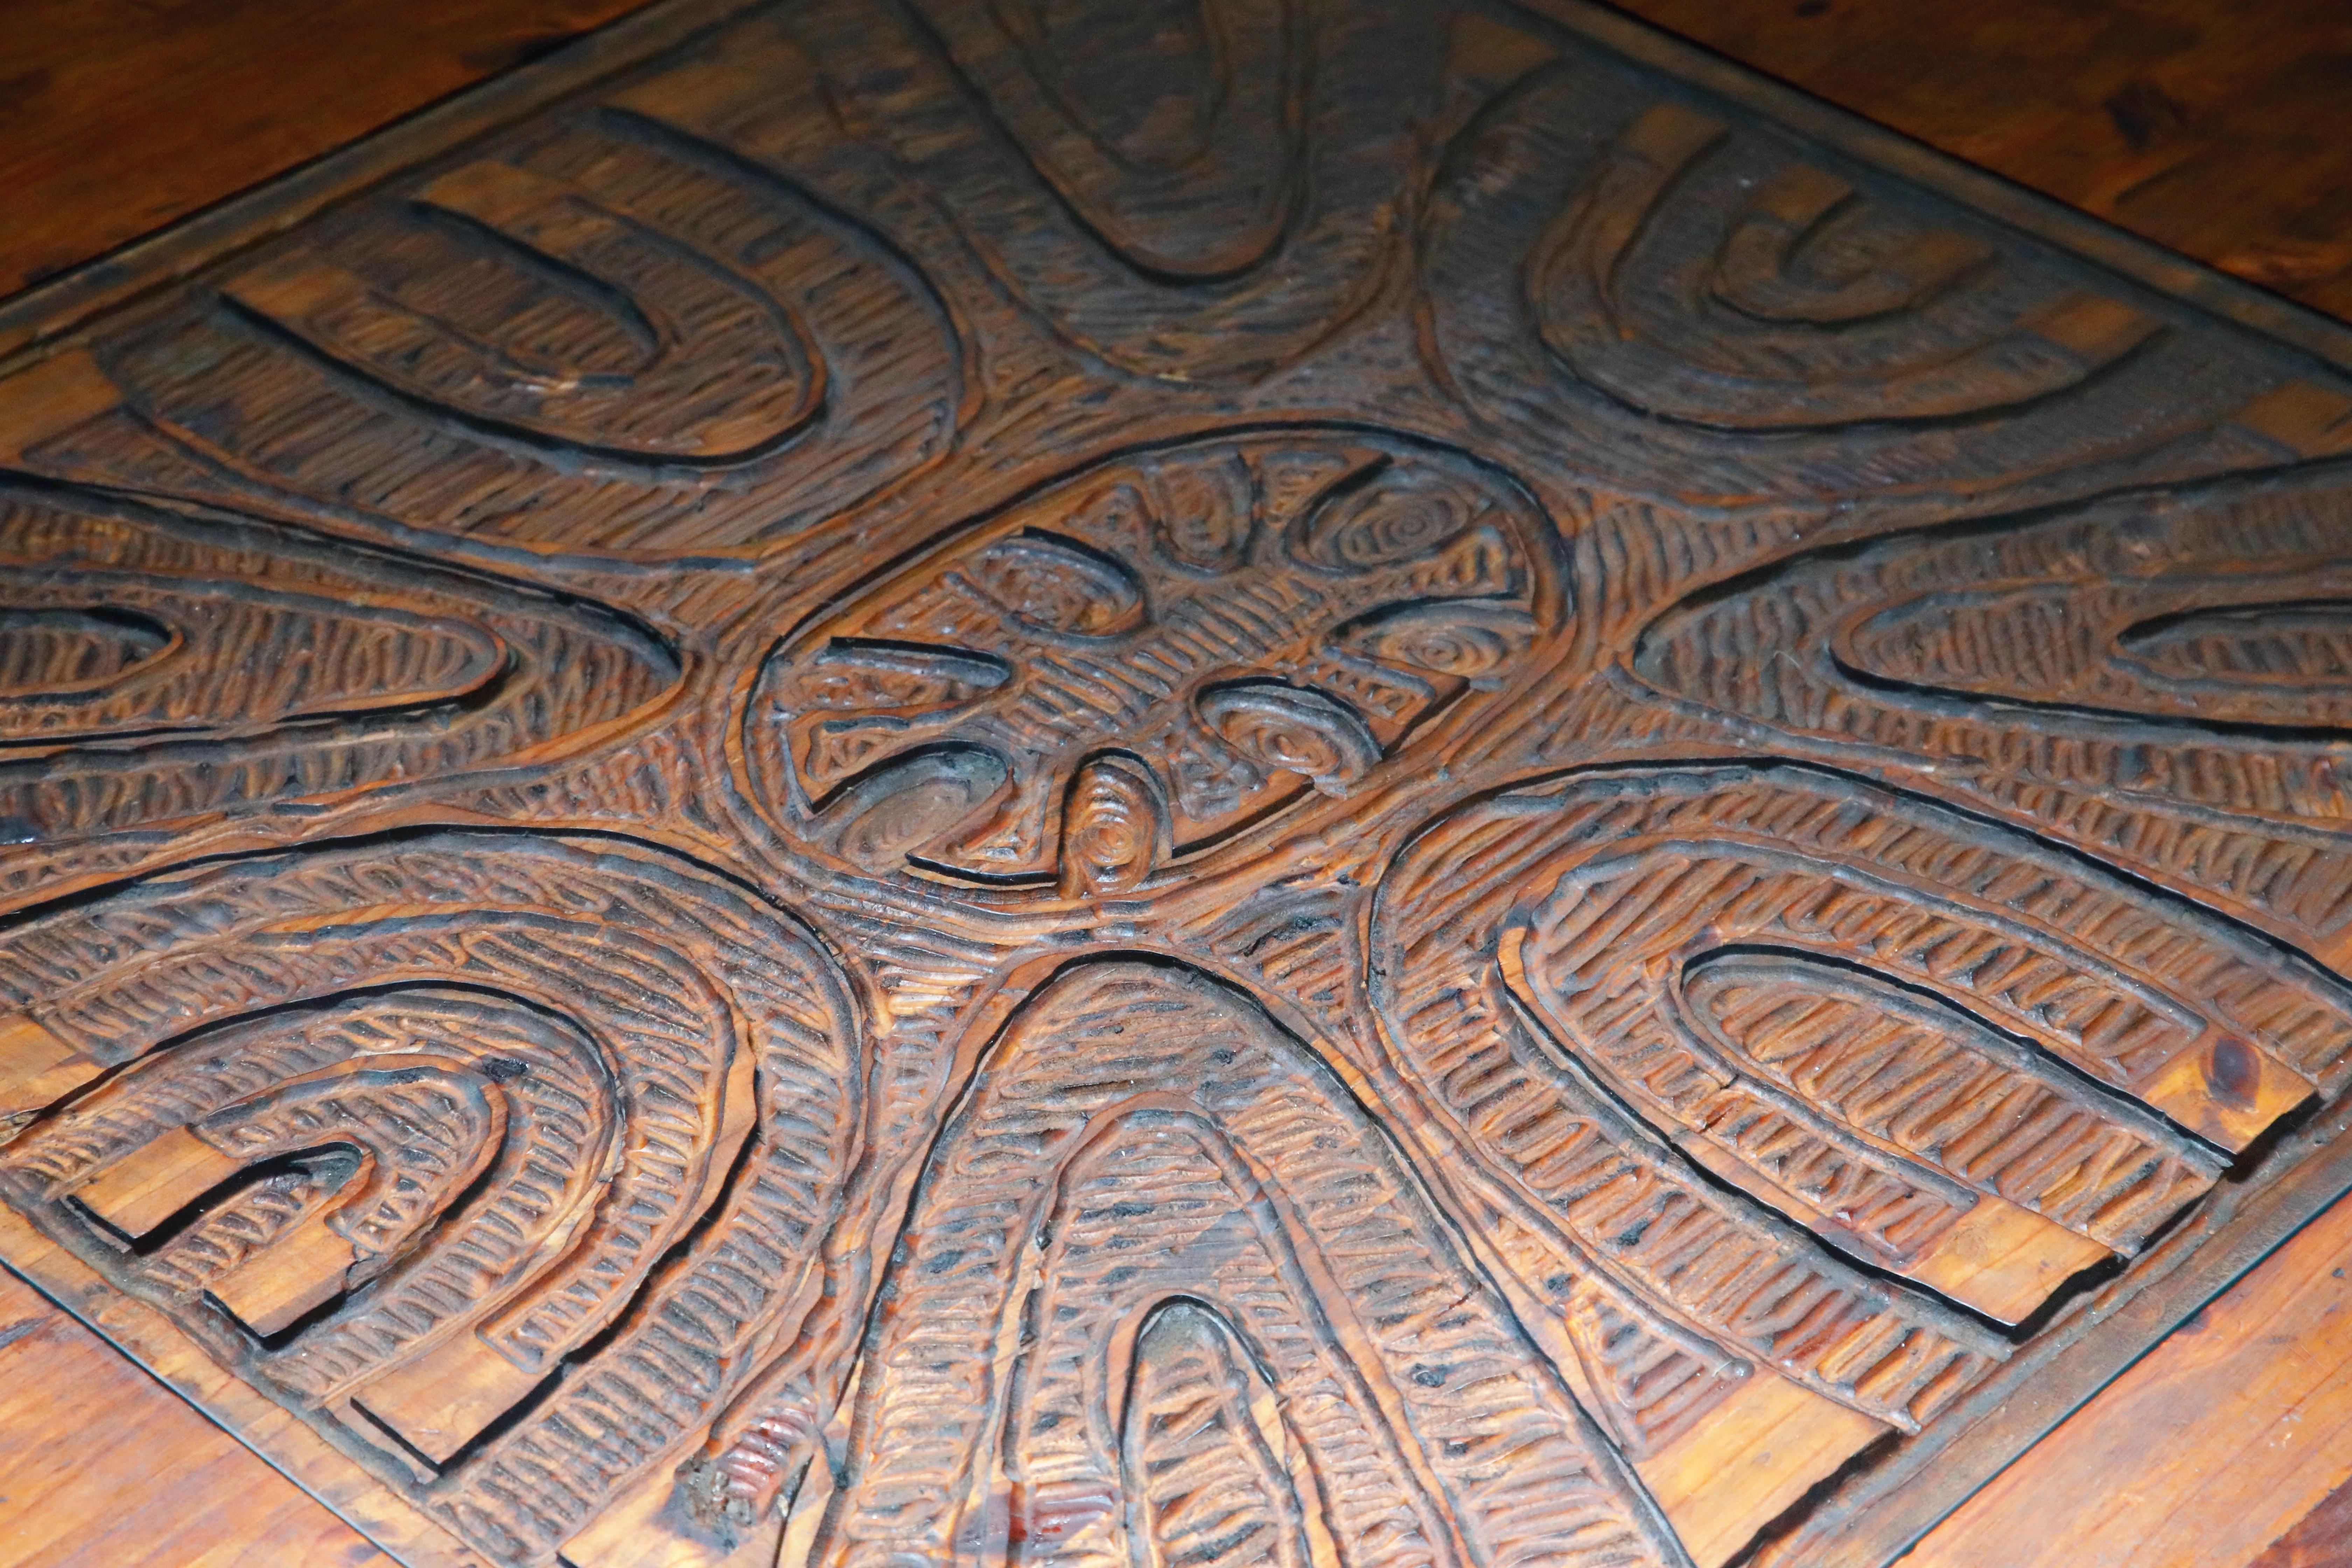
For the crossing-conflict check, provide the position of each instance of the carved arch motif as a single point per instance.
(1147, 1186)
(615, 340)
(1919, 1036)
(173, 683)
(2160, 677)
(1152, 656)
(569, 1120)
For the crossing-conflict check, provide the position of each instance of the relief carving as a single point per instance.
(2156, 678)
(646, 1083)
(171, 682)
(612, 324)
(1149, 658)
(1807, 307)
(996, 780)
(1079, 1238)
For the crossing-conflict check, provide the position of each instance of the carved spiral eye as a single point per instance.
(1055, 585)
(1114, 828)
(911, 801)
(1468, 641)
(1291, 728)
(1396, 516)
(1206, 512)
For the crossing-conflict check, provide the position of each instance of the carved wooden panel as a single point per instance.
(1195, 783)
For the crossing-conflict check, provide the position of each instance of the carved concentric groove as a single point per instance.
(627, 1032)
(1246, 619)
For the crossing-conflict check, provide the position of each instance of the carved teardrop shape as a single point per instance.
(1054, 585)
(912, 801)
(1293, 728)
(1390, 515)
(1206, 512)
(1465, 639)
(1115, 827)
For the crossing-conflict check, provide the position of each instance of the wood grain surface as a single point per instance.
(126, 114)
(1226, 784)
(70, 1504)
(2216, 129)
(2205, 1452)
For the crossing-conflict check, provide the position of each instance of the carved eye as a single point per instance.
(1206, 512)
(1396, 515)
(1470, 641)
(1056, 585)
(1292, 729)
(857, 677)
(1114, 827)
(911, 801)
(49, 652)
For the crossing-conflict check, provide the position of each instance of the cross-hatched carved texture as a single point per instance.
(1186, 782)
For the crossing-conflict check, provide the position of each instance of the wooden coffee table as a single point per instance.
(1287, 784)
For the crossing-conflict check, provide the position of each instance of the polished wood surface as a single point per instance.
(2205, 1452)
(807, 604)
(126, 114)
(2216, 129)
(157, 1486)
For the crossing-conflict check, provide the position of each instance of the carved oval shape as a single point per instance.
(1115, 827)
(1391, 515)
(1054, 585)
(1205, 511)
(54, 652)
(1466, 639)
(1293, 728)
(911, 802)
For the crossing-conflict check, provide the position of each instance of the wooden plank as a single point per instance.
(98, 1504)
(2204, 1452)
(2323, 1539)
(2213, 128)
(124, 116)
(1226, 711)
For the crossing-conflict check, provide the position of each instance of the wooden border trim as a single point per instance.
(2017, 206)
(48, 315)
(1876, 1514)
(275, 1436)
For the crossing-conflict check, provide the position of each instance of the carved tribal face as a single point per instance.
(1148, 658)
